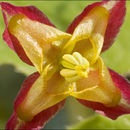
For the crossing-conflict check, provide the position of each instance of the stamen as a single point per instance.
(75, 67)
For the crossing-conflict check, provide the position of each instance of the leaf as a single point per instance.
(101, 122)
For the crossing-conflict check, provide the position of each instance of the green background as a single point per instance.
(13, 71)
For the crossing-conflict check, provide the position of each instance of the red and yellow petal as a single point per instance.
(117, 12)
(42, 117)
(40, 42)
(40, 94)
(31, 12)
(123, 106)
(88, 36)
(98, 87)
(30, 34)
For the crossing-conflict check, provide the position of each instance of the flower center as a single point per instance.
(75, 67)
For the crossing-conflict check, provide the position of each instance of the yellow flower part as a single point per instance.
(98, 87)
(77, 67)
(38, 40)
(88, 36)
(69, 65)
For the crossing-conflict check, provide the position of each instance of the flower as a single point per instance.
(68, 63)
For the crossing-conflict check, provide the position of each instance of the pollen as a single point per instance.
(75, 66)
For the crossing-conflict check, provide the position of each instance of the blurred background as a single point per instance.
(13, 71)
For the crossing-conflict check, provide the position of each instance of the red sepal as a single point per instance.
(116, 19)
(40, 119)
(123, 84)
(113, 112)
(25, 88)
(31, 12)
(117, 15)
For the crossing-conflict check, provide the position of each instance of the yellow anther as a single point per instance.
(70, 59)
(75, 67)
(82, 70)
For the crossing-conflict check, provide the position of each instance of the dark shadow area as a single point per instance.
(10, 83)
(59, 121)
(128, 76)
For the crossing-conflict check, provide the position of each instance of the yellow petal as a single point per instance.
(38, 40)
(88, 36)
(98, 87)
(107, 83)
(42, 95)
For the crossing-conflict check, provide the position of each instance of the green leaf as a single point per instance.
(101, 122)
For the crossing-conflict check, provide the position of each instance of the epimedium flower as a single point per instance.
(67, 63)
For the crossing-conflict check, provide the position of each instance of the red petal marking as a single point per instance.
(123, 84)
(31, 12)
(113, 112)
(19, 50)
(25, 88)
(12, 122)
(38, 121)
(116, 19)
